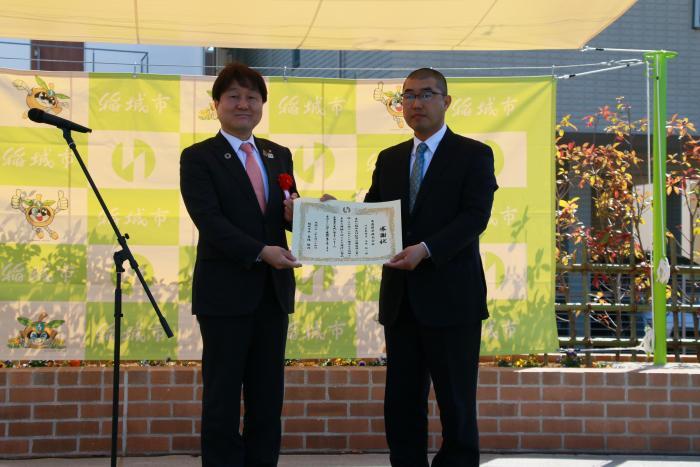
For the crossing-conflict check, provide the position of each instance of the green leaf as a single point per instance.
(48, 202)
(62, 96)
(41, 82)
(55, 323)
(24, 321)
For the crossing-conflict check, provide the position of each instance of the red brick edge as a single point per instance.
(66, 411)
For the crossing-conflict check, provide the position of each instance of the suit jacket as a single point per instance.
(227, 280)
(451, 210)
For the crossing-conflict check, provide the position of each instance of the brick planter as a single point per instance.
(642, 409)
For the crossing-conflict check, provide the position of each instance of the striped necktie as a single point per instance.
(416, 175)
(254, 174)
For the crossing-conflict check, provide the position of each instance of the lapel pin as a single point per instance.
(227, 155)
(267, 153)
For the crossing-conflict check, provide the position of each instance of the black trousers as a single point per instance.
(243, 351)
(449, 356)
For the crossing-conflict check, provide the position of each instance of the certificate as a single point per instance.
(339, 232)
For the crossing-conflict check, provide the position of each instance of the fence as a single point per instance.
(617, 307)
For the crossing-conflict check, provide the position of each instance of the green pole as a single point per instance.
(657, 61)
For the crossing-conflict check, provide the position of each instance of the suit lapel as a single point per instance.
(227, 156)
(438, 164)
(400, 173)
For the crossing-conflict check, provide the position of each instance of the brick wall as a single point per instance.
(66, 411)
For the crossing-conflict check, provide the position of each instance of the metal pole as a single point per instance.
(657, 60)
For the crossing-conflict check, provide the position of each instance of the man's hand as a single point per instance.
(289, 207)
(409, 258)
(327, 197)
(279, 258)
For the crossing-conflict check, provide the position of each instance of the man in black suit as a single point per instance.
(243, 286)
(433, 293)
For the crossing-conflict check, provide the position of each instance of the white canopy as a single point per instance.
(319, 24)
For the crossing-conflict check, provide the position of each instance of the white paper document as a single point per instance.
(339, 232)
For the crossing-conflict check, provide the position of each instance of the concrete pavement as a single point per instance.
(381, 460)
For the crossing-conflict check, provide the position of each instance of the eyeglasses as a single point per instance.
(424, 96)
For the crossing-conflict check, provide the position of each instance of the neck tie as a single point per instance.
(254, 174)
(416, 175)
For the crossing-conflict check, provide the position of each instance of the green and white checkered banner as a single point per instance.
(56, 268)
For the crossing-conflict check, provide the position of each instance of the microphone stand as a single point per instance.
(119, 257)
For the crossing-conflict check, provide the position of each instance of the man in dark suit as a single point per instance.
(433, 293)
(243, 286)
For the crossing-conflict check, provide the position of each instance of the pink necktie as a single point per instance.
(253, 170)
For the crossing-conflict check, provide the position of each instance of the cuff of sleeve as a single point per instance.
(427, 250)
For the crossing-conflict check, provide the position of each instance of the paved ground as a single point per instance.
(381, 460)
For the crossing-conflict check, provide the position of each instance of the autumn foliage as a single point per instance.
(616, 176)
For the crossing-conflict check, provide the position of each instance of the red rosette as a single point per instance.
(285, 181)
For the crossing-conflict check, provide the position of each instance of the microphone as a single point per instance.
(39, 116)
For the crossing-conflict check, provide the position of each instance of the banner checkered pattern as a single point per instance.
(56, 268)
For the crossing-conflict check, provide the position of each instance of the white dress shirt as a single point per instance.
(432, 144)
(236, 145)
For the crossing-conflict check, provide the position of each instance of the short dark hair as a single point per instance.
(241, 74)
(425, 73)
